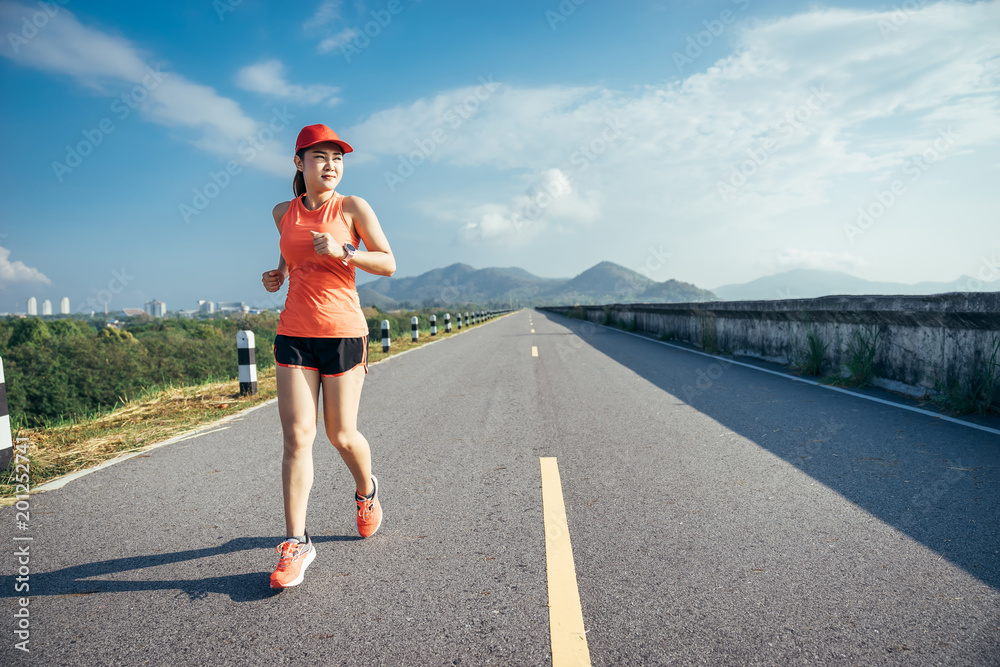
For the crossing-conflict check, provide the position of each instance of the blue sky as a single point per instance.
(711, 142)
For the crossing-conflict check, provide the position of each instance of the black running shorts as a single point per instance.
(329, 356)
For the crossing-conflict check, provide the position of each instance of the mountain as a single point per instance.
(674, 291)
(811, 283)
(370, 297)
(461, 284)
(608, 282)
(456, 284)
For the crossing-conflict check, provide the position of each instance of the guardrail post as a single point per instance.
(246, 353)
(466, 318)
(460, 321)
(447, 322)
(385, 336)
(6, 444)
(434, 325)
(413, 328)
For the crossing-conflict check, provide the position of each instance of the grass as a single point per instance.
(812, 362)
(156, 415)
(861, 352)
(978, 397)
(709, 336)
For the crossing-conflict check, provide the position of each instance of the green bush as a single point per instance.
(66, 369)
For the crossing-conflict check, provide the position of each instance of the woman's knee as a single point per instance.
(344, 441)
(298, 437)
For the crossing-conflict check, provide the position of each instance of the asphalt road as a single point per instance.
(718, 516)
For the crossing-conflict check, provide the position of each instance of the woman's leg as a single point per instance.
(341, 398)
(298, 396)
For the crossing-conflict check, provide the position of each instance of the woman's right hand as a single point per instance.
(272, 280)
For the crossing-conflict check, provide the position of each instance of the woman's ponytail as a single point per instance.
(299, 181)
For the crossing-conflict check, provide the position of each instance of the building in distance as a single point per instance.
(156, 308)
(232, 307)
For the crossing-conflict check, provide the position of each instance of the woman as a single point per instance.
(322, 336)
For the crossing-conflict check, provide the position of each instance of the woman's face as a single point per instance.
(322, 166)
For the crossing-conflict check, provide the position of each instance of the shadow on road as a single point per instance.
(930, 479)
(79, 579)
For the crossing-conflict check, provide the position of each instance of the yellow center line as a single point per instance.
(534, 350)
(569, 639)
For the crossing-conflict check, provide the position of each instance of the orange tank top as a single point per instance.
(322, 299)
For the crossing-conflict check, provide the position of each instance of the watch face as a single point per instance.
(350, 248)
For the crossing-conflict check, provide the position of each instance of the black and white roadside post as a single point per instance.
(434, 325)
(247, 354)
(6, 444)
(466, 318)
(385, 335)
(460, 321)
(413, 328)
(447, 322)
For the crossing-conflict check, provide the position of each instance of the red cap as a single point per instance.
(316, 134)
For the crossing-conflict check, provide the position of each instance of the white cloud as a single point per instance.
(18, 272)
(268, 77)
(321, 22)
(795, 258)
(337, 41)
(327, 12)
(108, 64)
(550, 199)
(821, 98)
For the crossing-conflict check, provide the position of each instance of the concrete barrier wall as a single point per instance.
(922, 340)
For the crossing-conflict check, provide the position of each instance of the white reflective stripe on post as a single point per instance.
(247, 354)
(385, 335)
(413, 328)
(6, 443)
(434, 326)
(447, 322)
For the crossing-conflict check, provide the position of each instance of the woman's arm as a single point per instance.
(273, 279)
(378, 258)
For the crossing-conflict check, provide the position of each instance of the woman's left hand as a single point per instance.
(324, 244)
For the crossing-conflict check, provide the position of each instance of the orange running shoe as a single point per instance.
(369, 512)
(294, 559)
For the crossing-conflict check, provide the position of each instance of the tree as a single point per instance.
(29, 331)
